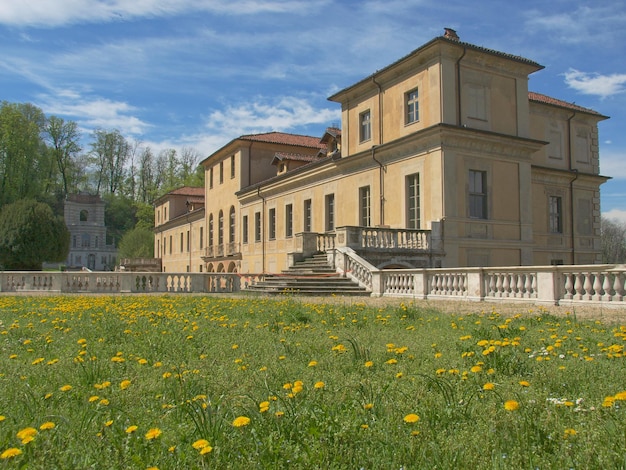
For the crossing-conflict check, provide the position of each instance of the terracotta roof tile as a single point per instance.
(188, 191)
(286, 139)
(280, 156)
(539, 98)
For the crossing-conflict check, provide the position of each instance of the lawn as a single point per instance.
(171, 382)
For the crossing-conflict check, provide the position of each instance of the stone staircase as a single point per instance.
(311, 276)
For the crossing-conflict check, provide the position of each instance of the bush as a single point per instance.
(30, 234)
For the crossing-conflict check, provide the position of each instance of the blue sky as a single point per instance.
(197, 73)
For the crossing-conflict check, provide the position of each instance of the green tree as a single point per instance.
(119, 216)
(137, 243)
(30, 234)
(24, 164)
(63, 138)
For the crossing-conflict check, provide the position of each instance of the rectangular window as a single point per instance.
(556, 214)
(330, 212)
(232, 166)
(201, 237)
(365, 219)
(221, 171)
(272, 223)
(365, 126)
(244, 229)
(164, 246)
(412, 107)
(288, 221)
(188, 240)
(257, 226)
(307, 215)
(181, 242)
(478, 194)
(210, 177)
(171, 244)
(413, 201)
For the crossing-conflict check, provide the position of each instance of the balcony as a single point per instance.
(223, 251)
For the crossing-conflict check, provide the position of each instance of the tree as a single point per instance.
(63, 138)
(137, 243)
(110, 151)
(30, 234)
(23, 164)
(613, 239)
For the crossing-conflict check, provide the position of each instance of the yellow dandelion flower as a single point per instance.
(39, 360)
(47, 395)
(391, 361)
(279, 414)
(125, 384)
(312, 363)
(10, 452)
(399, 375)
(152, 468)
(167, 375)
(103, 402)
(108, 423)
(131, 429)
(319, 385)
(369, 363)
(414, 433)
(524, 383)
(200, 444)
(93, 398)
(411, 418)
(153, 433)
(264, 406)
(368, 406)
(621, 396)
(511, 405)
(569, 432)
(66, 388)
(364, 426)
(2, 418)
(143, 362)
(476, 369)
(489, 386)
(26, 432)
(241, 421)
(47, 425)
(206, 450)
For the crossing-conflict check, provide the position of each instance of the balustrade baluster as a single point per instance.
(588, 286)
(607, 287)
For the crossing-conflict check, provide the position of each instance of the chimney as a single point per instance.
(451, 34)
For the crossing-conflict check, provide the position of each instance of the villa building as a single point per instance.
(443, 159)
(84, 217)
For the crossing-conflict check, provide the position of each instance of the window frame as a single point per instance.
(477, 196)
(257, 227)
(555, 214)
(413, 201)
(329, 212)
(365, 126)
(271, 222)
(411, 106)
(288, 220)
(365, 206)
(308, 215)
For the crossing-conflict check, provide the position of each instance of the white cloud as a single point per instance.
(595, 83)
(285, 114)
(94, 112)
(618, 215)
(50, 13)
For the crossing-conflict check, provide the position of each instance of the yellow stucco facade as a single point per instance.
(446, 138)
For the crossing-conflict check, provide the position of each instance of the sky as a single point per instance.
(198, 73)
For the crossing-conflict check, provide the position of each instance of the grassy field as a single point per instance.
(174, 382)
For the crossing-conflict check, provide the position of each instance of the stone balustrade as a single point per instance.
(556, 285)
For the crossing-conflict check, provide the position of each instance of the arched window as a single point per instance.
(231, 225)
(220, 228)
(84, 215)
(211, 230)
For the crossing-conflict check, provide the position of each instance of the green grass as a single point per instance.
(323, 386)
